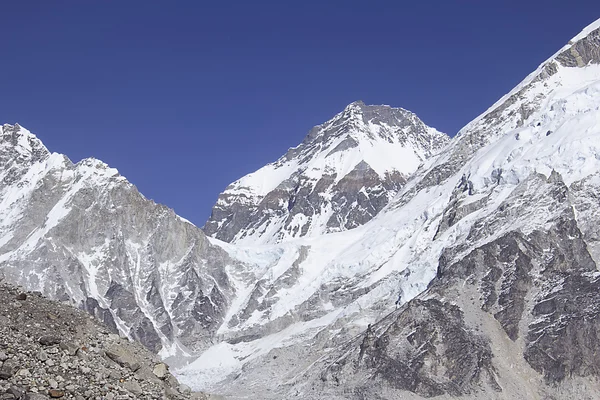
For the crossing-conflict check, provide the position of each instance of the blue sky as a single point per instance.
(185, 97)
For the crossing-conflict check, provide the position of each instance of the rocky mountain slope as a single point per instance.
(83, 233)
(491, 249)
(51, 350)
(343, 173)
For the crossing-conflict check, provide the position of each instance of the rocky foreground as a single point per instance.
(52, 350)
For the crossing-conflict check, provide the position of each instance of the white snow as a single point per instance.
(586, 31)
(264, 180)
(92, 262)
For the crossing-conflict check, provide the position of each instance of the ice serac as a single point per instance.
(490, 251)
(343, 173)
(82, 233)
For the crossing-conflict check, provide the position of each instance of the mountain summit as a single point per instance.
(341, 175)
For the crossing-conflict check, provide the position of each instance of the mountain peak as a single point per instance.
(367, 121)
(18, 141)
(341, 175)
(359, 108)
(357, 105)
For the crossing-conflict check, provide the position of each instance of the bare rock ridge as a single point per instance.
(51, 350)
(537, 290)
(343, 173)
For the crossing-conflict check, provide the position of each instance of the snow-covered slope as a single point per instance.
(491, 248)
(344, 172)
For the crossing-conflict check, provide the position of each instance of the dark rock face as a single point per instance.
(548, 278)
(318, 197)
(126, 308)
(360, 195)
(564, 340)
(583, 52)
(455, 210)
(532, 277)
(425, 348)
(102, 314)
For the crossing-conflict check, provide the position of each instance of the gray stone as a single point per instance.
(132, 387)
(184, 389)
(9, 368)
(160, 370)
(42, 355)
(85, 370)
(49, 340)
(35, 396)
(16, 391)
(122, 356)
(70, 347)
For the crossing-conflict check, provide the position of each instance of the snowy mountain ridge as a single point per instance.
(338, 178)
(479, 279)
(502, 221)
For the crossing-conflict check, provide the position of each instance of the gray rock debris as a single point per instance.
(160, 370)
(80, 359)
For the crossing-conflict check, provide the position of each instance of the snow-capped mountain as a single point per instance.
(491, 251)
(343, 173)
(82, 233)
(478, 279)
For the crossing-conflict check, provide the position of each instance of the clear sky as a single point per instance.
(184, 97)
